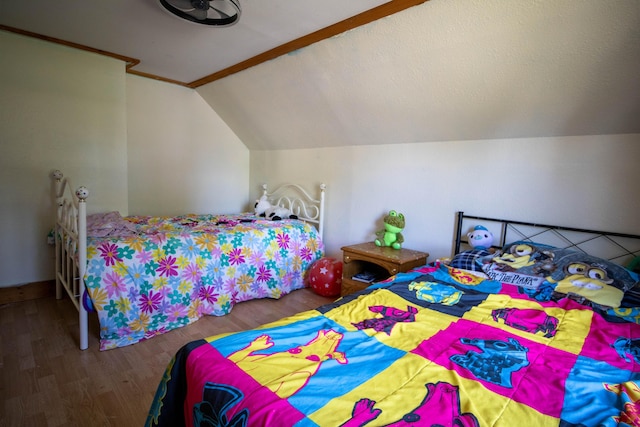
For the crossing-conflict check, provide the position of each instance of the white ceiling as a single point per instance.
(169, 47)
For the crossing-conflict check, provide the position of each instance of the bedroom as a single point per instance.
(578, 137)
(565, 114)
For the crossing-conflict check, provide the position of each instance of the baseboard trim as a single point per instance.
(27, 292)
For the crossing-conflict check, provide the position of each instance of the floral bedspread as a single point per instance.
(166, 272)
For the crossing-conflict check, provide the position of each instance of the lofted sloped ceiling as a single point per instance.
(306, 73)
(156, 44)
(447, 70)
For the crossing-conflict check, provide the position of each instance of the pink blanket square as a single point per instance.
(617, 344)
(505, 364)
(264, 407)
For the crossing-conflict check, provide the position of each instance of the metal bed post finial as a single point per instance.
(82, 193)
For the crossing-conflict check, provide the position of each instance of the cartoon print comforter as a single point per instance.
(424, 348)
(149, 275)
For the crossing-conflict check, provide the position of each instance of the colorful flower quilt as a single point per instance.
(162, 273)
(435, 346)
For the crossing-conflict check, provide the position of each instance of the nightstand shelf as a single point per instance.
(384, 261)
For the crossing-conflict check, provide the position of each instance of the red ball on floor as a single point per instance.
(325, 277)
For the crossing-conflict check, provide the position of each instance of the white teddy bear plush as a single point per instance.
(264, 208)
(480, 238)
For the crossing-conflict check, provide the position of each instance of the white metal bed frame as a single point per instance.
(70, 235)
(303, 205)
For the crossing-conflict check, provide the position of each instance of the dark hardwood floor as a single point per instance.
(47, 381)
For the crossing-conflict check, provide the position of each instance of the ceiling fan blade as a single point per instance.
(220, 12)
(199, 14)
(182, 4)
(226, 9)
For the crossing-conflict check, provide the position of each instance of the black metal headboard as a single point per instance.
(620, 248)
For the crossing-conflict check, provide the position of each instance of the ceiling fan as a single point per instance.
(219, 13)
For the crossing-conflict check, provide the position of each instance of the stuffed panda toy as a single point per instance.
(265, 209)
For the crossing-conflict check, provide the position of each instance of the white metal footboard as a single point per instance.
(70, 235)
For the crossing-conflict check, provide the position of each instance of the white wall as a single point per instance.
(454, 105)
(64, 109)
(143, 146)
(587, 182)
(139, 145)
(182, 157)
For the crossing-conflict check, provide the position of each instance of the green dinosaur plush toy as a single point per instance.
(391, 235)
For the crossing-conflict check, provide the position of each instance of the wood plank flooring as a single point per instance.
(47, 381)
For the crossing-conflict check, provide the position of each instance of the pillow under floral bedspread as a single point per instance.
(109, 224)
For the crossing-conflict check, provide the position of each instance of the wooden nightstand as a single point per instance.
(384, 261)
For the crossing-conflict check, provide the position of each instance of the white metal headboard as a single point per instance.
(297, 200)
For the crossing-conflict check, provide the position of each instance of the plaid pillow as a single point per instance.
(468, 260)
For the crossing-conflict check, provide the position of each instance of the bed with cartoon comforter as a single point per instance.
(434, 346)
